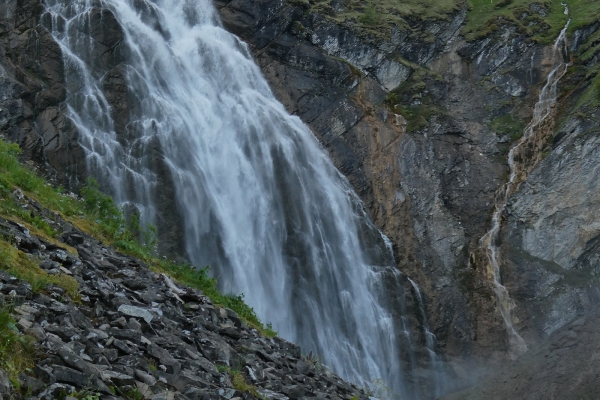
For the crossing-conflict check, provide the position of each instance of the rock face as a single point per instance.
(547, 372)
(135, 332)
(552, 231)
(430, 188)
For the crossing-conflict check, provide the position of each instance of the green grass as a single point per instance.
(23, 267)
(402, 100)
(17, 351)
(378, 16)
(486, 16)
(200, 279)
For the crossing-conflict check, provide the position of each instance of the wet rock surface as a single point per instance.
(136, 331)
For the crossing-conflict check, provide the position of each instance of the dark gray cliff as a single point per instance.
(422, 129)
(420, 122)
(32, 93)
(546, 372)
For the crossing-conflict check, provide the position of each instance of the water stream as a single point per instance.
(260, 201)
(543, 111)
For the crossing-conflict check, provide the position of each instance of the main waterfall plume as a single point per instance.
(260, 201)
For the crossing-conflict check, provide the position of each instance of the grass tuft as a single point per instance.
(239, 383)
(17, 352)
(26, 268)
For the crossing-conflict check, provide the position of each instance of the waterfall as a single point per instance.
(260, 202)
(542, 113)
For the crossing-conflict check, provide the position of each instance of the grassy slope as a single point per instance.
(97, 215)
(484, 16)
(376, 16)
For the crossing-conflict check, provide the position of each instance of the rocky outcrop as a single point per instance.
(133, 332)
(551, 239)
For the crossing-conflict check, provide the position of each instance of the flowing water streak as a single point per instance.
(261, 202)
(542, 111)
(431, 345)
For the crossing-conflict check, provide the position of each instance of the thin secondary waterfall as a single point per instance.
(430, 345)
(543, 112)
(260, 201)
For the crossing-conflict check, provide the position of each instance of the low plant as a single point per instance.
(134, 394)
(379, 390)
(22, 266)
(86, 394)
(239, 383)
(370, 16)
(507, 125)
(200, 279)
(17, 351)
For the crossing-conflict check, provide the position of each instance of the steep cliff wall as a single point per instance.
(421, 122)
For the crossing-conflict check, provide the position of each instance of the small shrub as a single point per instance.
(370, 16)
(86, 394)
(134, 394)
(21, 266)
(239, 382)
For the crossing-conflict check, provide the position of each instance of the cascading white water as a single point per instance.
(542, 111)
(261, 202)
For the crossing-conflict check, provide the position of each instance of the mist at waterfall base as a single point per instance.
(260, 201)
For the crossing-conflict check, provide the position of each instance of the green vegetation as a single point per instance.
(378, 16)
(410, 100)
(239, 383)
(540, 19)
(85, 394)
(199, 278)
(370, 16)
(134, 394)
(238, 380)
(21, 266)
(506, 125)
(16, 351)
(543, 26)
